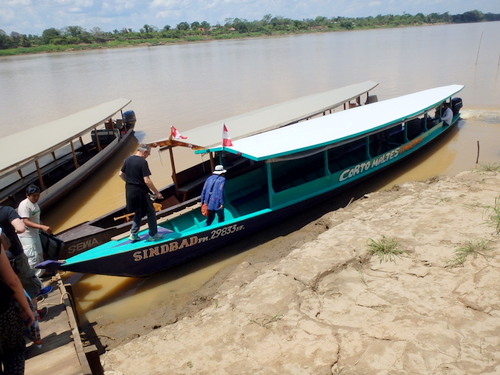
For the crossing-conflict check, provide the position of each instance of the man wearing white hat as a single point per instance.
(213, 194)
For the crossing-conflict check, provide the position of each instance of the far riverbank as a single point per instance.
(157, 40)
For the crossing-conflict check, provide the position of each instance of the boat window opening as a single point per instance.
(357, 103)
(371, 99)
(415, 127)
(346, 155)
(430, 121)
(119, 124)
(291, 173)
(439, 110)
(104, 137)
(393, 137)
(248, 192)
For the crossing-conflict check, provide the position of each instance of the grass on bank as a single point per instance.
(493, 167)
(471, 248)
(495, 217)
(387, 249)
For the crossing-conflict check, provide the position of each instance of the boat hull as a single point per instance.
(87, 235)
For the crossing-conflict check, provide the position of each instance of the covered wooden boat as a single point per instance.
(287, 169)
(187, 184)
(59, 155)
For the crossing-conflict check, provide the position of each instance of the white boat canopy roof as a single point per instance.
(270, 117)
(340, 126)
(27, 145)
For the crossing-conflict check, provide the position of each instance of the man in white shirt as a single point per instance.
(29, 211)
(447, 114)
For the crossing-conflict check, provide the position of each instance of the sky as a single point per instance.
(35, 16)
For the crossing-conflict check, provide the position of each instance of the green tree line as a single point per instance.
(76, 37)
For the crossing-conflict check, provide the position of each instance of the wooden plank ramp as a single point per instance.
(62, 350)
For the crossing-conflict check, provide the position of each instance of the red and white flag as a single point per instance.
(226, 140)
(175, 134)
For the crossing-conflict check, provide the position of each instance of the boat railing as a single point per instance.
(15, 187)
(104, 137)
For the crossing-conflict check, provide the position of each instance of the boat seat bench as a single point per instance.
(185, 189)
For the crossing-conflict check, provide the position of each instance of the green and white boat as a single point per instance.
(281, 172)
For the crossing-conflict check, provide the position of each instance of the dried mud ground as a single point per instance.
(319, 302)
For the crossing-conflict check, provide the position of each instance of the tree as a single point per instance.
(99, 35)
(5, 41)
(321, 21)
(492, 17)
(49, 34)
(473, 16)
(74, 31)
(147, 29)
(267, 19)
(19, 40)
(347, 24)
(183, 26)
(419, 18)
(240, 26)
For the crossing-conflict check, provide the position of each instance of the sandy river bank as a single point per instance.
(326, 305)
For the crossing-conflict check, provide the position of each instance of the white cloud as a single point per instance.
(17, 2)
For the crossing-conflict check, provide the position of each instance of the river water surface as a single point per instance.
(188, 85)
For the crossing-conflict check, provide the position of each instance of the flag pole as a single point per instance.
(226, 140)
(172, 163)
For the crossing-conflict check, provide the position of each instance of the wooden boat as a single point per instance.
(285, 171)
(187, 184)
(59, 155)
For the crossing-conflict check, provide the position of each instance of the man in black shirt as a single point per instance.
(136, 174)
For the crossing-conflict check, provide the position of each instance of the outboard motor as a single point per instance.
(129, 119)
(456, 104)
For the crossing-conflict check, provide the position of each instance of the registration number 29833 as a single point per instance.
(221, 232)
